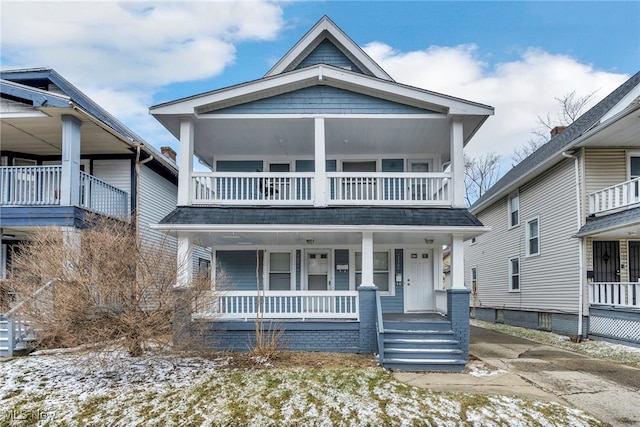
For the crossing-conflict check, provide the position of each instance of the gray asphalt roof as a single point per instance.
(322, 216)
(611, 221)
(556, 144)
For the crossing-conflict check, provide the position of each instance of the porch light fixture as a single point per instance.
(309, 240)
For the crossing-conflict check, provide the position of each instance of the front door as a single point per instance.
(317, 265)
(418, 286)
(606, 261)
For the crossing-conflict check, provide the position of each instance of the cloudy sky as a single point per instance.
(515, 56)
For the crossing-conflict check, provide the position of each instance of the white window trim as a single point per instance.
(511, 275)
(410, 163)
(474, 289)
(630, 154)
(292, 268)
(392, 270)
(304, 278)
(473, 241)
(529, 237)
(511, 196)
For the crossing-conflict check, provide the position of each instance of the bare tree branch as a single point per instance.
(480, 173)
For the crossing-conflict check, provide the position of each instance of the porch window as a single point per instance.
(514, 274)
(380, 270)
(280, 271)
(533, 237)
(514, 209)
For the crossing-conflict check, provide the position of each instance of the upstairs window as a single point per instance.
(514, 210)
(533, 237)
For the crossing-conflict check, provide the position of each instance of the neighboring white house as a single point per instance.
(326, 177)
(563, 253)
(62, 156)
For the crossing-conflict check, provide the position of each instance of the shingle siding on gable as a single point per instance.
(327, 53)
(548, 281)
(322, 99)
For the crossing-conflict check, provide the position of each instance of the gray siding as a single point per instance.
(548, 281)
(341, 277)
(321, 99)
(239, 165)
(327, 53)
(239, 268)
(395, 304)
(116, 173)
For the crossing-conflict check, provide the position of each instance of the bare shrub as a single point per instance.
(101, 285)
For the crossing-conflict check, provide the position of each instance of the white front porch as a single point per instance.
(615, 294)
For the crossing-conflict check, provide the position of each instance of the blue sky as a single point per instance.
(515, 56)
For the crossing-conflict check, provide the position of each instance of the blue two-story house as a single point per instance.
(330, 190)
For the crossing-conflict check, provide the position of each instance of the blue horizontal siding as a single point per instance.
(239, 269)
(41, 216)
(327, 53)
(239, 166)
(341, 277)
(321, 99)
(395, 304)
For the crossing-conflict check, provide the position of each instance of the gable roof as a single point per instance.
(326, 30)
(550, 153)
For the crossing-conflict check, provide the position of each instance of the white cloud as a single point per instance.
(120, 54)
(520, 90)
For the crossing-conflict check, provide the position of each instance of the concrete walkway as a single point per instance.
(515, 366)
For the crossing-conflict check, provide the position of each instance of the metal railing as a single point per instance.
(303, 305)
(617, 294)
(617, 196)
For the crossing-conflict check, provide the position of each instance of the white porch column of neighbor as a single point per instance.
(187, 136)
(72, 243)
(320, 177)
(457, 262)
(457, 163)
(367, 259)
(184, 271)
(70, 176)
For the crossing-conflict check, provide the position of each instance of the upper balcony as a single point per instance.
(42, 186)
(616, 197)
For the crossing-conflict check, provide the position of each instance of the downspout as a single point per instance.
(579, 224)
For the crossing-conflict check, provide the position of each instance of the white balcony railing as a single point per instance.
(617, 196)
(40, 186)
(389, 188)
(617, 294)
(252, 188)
(342, 188)
(280, 305)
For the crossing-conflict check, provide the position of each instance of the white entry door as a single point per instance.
(317, 266)
(418, 284)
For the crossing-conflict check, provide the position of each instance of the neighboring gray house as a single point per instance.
(563, 253)
(62, 156)
(331, 188)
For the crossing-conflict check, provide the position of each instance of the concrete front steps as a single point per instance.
(421, 346)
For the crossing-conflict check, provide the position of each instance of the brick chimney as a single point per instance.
(557, 130)
(168, 153)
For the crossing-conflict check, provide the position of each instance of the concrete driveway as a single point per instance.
(609, 391)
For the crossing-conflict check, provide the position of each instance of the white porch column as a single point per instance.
(320, 156)
(367, 259)
(70, 176)
(457, 164)
(71, 240)
(457, 262)
(187, 136)
(184, 276)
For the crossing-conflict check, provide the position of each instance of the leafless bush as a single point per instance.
(101, 285)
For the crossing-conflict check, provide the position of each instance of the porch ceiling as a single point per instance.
(294, 136)
(42, 135)
(622, 133)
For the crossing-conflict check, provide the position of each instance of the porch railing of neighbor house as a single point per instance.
(389, 188)
(280, 305)
(98, 196)
(617, 196)
(252, 188)
(617, 294)
(40, 186)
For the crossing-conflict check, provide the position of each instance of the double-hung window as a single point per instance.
(514, 274)
(514, 210)
(280, 271)
(380, 270)
(533, 237)
(474, 280)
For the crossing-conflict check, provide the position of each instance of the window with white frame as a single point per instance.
(474, 280)
(533, 237)
(380, 270)
(514, 209)
(514, 274)
(279, 271)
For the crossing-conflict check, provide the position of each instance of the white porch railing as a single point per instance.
(281, 305)
(347, 188)
(252, 188)
(98, 196)
(40, 186)
(618, 294)
(617, 196)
